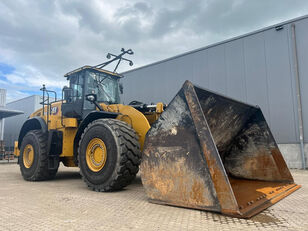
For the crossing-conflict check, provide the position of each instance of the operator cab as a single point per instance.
(85, 81)
(91, 85)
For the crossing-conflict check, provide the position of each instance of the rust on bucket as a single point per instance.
(210, 152)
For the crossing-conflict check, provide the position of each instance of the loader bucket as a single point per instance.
(210, 152)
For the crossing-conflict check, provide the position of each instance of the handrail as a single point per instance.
(48, 104)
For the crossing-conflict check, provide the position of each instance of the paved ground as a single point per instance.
(66, 204)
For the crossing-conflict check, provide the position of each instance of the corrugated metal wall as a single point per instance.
(2, 97)
(2, 105)
(257, 68)
(13, 124)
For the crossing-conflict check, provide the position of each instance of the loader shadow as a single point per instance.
(70, 175)
(137, 181)
(263, 220)
(67, 175)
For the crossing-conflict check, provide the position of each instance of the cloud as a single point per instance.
(44, 39)
(26, 81)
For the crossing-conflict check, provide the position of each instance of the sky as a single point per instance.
(42, 40)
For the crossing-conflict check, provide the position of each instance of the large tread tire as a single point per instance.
(39, 169)
(123, 155)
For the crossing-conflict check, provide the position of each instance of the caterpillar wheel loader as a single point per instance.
(202, 151)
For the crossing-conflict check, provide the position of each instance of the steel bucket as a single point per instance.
(210, 152)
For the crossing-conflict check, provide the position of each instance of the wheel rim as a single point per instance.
(96, 154)
(28, 156)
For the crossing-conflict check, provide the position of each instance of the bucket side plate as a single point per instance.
(173, 168)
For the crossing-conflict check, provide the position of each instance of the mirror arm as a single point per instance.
(93, 100)
(98, 106)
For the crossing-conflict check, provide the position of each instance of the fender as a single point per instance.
(31, 124)
(90, 117)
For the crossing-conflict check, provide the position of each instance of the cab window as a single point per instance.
(76, 84)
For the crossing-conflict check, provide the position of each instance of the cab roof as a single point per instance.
(92, 68)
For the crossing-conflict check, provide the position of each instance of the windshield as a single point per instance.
(104, 86)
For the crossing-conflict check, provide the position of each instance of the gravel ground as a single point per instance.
(67, 204)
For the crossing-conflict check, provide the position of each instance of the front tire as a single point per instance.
(33, 159)
(108, 155)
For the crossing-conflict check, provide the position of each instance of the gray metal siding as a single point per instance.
(256, 68)
(255, 73)
(235, 71)
(302, 48)
(2, 97)
(13, 124)
(279, 82)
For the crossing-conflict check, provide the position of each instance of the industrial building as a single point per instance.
(13, 124)
(267, 67)
(4, 113)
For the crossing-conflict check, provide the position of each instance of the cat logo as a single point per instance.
(54, 110)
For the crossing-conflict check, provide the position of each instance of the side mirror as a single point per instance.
(68, 94)
(91, 97)
(121, 88)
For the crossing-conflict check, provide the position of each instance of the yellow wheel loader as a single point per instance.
(202, 151)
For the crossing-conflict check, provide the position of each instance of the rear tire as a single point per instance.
(34, 166)
(120, 163)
